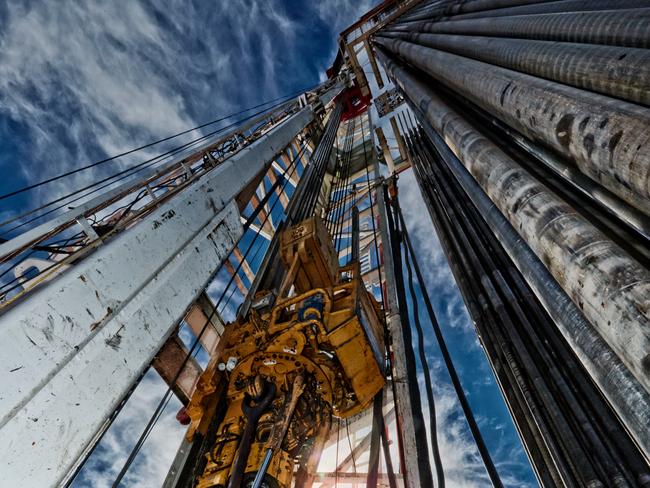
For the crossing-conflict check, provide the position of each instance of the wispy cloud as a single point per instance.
(150, 467)
(87, 80)
(93, 79)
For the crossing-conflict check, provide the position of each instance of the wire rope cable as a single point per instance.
(455, 380)
(145, 146)
(424, 362)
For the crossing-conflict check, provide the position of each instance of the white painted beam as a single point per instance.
(70, 351)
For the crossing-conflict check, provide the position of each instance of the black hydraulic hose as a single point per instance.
(421, 449)
(562, 422)
(581, 410)
(572, 385)
(303, 202)
(253, 412)
(614, 431)
(480, 260)
(424, 362)
(455, 380)
(323, 152)
(300, 206)
(518, 394)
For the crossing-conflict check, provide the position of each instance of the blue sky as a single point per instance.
(83, 80)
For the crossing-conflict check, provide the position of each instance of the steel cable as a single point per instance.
(424, 362)
(131, 151)
(121, 175)
(421, 450)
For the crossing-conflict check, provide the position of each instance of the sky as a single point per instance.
(80, 81)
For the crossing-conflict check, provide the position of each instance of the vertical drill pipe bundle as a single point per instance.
(620, 72)
(600, 277)
(555, 6)
(440, 8)
(607, 139)
(301, 206)
(611, 288)
(571, 434)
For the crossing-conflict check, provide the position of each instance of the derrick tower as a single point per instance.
(526, 126)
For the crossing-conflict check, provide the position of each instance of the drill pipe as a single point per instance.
(629, 27)
(612, 147)
(633, 218)
(622, 223)
(627, 397)
(611, 288)
(487, 310)
(557, 6)
(621, 72)
(441, 8)
(300, 207)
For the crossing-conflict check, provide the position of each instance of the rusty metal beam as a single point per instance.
(291, 176)
(400, 141)
(238, 281)
(284, 199)
(373, 63)
(244, 264)
(268, 227)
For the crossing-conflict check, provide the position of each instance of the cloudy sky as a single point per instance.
(80, 81)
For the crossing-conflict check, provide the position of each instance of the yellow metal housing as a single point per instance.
(321, 350)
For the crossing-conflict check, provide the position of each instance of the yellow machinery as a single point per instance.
(313, 352)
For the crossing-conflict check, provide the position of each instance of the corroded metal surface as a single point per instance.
(608, 139)
(621, 72)
(611, 289)
(313, 354)
(555, 6)
(72, 351)
(628, 398)
(613, 27)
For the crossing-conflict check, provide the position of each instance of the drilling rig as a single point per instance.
(525, 124)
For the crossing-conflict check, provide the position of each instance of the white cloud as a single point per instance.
(342, 13)
(94, 79)
(79, 58)
(432, 260)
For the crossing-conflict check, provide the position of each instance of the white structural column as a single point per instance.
(71, 351)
